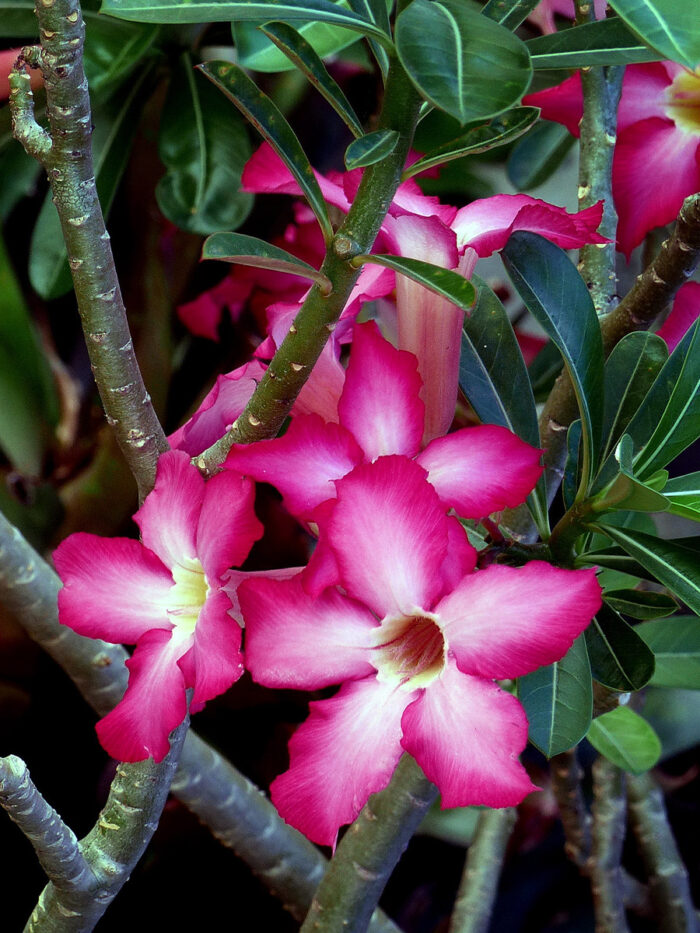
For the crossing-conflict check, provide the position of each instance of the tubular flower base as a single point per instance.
(417, 639)
(165, 595)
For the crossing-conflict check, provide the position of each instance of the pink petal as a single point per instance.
(303, 464)
(202, 316)
(321, 392)
(95, 599)
(644, 92)
(295, 640)
(346, 750)
(227, 527)
(380, 403)
(481, 470)
(507, 621)
(215, 655)
(389, 533)
(154, 703)
(461, 556)
(685, 312)
(170, 512)
(234, 578)
(466, 734)
(561, 104)
(266, 172)
(655, 168)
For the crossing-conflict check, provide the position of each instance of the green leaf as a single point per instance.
(626, 491)
(669, 26)
(259, 53)
(19, 174)
(493, 377)
(544, 369)
(204, 146)
(509, 13)
(683, 494)
(249, 251)
(267, 119)
(676, 646)
(675, 566)
(370, 149)
(452, 54)
(113, 49)
(605, 42)
(479, 136)
(641, 604)
(303, 56)
(444, 282)
(558, 700)
(538, 154)
(619, 658)
(225, 11)
(557, 297)
(116, 121)
(572, 467)
(17, 19)
(674, 715)
(625, 739)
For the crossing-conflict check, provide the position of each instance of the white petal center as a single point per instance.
(188, 595)
(409, 651)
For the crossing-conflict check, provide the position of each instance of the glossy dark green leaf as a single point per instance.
(683, 494)
(619, 658)
(116, 120)
(250, 251)
(370, 149)
(625, 739)
(267, 119)
(676, 646)
(544, 369)
(258, 53)
(378, 11)
(572, 467)
(443, 282)
(305, 58)
(536, 156)
(113, 49)
(479, 136)
(557, 297)
(558, 700)
(494, 379)
(204, 146)
(605, 42)
(641, 604)
(509, 13)
(677, 567)
(17, 20)
(613, 559)
(669, 26)
(627, 491)
(225, 11)
(452, 54)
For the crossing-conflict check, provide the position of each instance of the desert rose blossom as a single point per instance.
(417, 639)
(165, 595)
(656, 164)
(684, 313)
(543, 14)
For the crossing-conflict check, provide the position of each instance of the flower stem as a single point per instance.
(368, 852)
(608, 834)
(479, 884)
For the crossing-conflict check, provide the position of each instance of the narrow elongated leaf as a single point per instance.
(558, 700)
(605, 42)
(538, 154)
(304, 57)
(452, 53)
(626, 491)
(444, 282)
(683, 494)
(493, 377)
(369, 149)
(641, 604)
(250, 251)
(676, 647)
(258, 53)
(625, 739)
(669, 26)
(378, 12)
(558, 299)
(113, 49)
(614, 559)
(675, 566)
(479, 136)
(509, 13)
(267, 119)
(204, 146)
(225, 11)
(619, 658)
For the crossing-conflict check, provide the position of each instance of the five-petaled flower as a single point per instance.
(165, 595)
(417, 639)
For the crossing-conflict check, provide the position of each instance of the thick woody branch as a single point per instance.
(567, 775)
(608, 834)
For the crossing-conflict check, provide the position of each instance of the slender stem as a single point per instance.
(608, 835)
(368, 852)
(294, 359)
(479, 884)
(668, 877)
(65, 153)
(576, 820)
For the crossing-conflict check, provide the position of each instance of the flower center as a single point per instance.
(684, 101)
(188, 595)
(409, 651)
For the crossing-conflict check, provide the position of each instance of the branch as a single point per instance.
(479, 884)
(668, 877)
(566, 784)
(368, 852)
(66, 155)
(608, 835)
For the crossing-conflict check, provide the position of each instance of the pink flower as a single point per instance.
(417, 640)
(476, 470)
(685, 312)
(657, 156)
(165, 595)
(543, 14)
